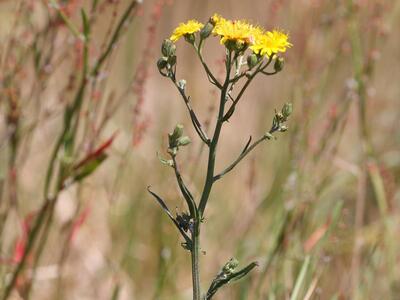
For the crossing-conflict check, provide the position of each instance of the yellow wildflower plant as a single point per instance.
(271, 42)
(236, 37)
(190, 27)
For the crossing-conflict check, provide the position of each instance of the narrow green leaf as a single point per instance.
(89, 167)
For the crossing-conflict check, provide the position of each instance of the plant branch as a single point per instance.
(195, 121)
(260, 68)
(247, 149)
(210, 75)
(168, 212)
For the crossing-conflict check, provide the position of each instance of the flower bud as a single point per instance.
(178, 132)
(172, 60)
(206, 30)
(287, 110)
(162, 63)
(252, 60)
(183, 141)
(190, 38)
(176, 140)
(168, 48)
(215, 19)
(279, 63)
(230, 45)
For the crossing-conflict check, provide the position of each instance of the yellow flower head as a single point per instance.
(271, 42)
(183, 29)
(233, 31)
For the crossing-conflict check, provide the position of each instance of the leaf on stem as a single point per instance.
(167, 162)
(188, 244)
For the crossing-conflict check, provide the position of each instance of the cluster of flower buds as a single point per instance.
(168, 60)
(177, 139)
(281, 117)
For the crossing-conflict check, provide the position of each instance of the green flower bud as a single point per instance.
(183, 141)
(279, 63)
(176, 140)
(168, 48)
(190, 38)
(162, 63)
(206, 30)
(252, 60)
(230, 45)
(178, 132)
(287, 110)
(172, 60)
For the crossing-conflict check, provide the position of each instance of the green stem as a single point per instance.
(214, 142)
(195, 261)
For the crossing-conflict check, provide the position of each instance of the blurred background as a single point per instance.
(318, 208)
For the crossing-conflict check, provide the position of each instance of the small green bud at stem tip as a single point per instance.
(168, 48)
(252, 60)
(190, 38)
(162, 63)
(183, 141)
(279, 63)
(206, 30)
(287, 110)
(178, 131)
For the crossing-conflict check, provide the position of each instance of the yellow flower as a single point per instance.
(183, 29)
(233, 31)
(271, 42)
